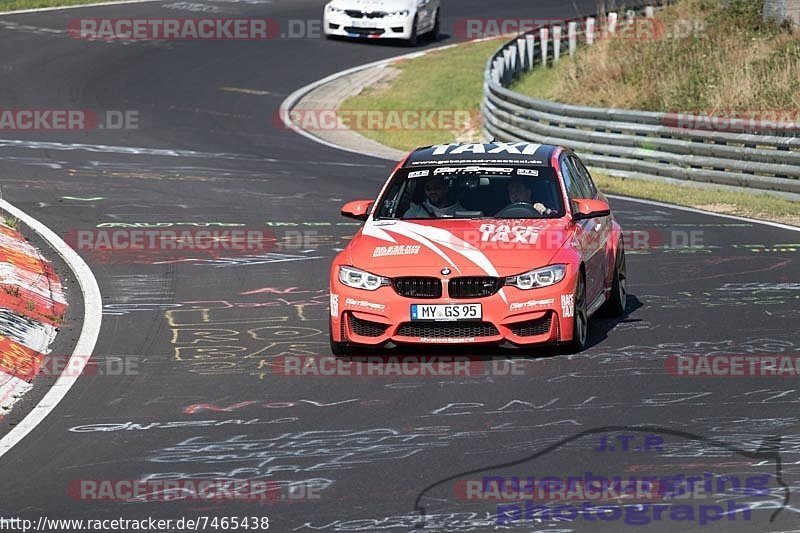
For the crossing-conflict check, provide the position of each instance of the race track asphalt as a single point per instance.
(202, 402)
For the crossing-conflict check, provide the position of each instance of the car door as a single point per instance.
(601, 228)
(587, 234)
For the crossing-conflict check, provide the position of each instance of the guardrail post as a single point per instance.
(630, 15)
(508, 73)
(612, 23)
(556, 43)
(572, 35)
(678, 148)
(544, 36)
(523, 63)
(497, 69)
(531, 40)
(649, 12)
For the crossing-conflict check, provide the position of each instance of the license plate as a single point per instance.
(448, 312)
(361, 23)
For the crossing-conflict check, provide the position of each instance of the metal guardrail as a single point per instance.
(628, 140)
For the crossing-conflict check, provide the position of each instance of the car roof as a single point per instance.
(520, 153)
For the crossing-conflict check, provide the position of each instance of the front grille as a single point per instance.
(364, 31)
(367, 328)
(352, 13)
(442, 330)
(530, 328)
(473, 287)
(418, 287)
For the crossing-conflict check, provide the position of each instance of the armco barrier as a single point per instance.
(628, 140)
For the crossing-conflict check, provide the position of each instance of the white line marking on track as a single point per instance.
(701, 212)
(92, 318)
(297, 95)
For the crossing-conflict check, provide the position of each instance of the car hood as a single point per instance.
(374, 5)
(467, 247)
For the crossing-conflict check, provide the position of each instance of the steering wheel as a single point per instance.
(518, 210)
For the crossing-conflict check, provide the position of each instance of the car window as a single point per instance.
(586, 183)
(472, 192)
(571, 179)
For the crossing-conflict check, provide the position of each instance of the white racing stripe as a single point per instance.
(371, 230)
(406, 229)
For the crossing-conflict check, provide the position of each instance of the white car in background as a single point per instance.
(382, 19)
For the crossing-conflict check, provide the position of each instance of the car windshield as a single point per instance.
(472, 192)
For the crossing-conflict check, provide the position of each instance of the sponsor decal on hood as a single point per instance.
(488, 245)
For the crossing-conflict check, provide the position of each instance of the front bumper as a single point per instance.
(368, 28)
(524, 318)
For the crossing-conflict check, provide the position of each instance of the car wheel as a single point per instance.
(437, 27)
(615, 306)
(580, 319)
(414, 39)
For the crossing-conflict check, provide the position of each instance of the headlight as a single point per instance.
(334, 9)
(403, 13)
(359, 279)
(541, 277)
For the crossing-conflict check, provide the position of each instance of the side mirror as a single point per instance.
(590, 209)
(358, 209)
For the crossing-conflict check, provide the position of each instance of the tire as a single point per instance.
(414, 39)
(433, 35)
(615, 306)
(580, 319)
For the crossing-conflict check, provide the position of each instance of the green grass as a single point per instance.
(453, 79)
(11, 221)
(450, 80)
(760, 206)
(16, 5)
(724, 58)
